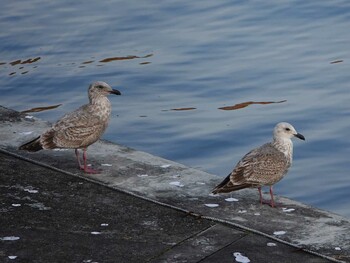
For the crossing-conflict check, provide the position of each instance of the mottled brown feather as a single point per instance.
(77, 129)
(80, 128)
(264, 165)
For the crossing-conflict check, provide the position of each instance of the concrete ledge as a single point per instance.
(154, 178)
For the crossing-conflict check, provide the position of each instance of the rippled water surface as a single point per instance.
(196, 57)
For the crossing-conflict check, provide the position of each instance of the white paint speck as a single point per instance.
(287, 210)
(12, 257)
(201, 183)
(31, 191)
(106, 164)
(279, 233)
(242, 211)
(29, 117)
(16, 205)
(10, 238)
(142, 175)
(26, 133)
(231, 199)
(211, 205)
(240, 258)
(96, 233)
(256, 214)
(271, 244)
(337, 248)
(176, 183)
(165, 166)
(104, 224)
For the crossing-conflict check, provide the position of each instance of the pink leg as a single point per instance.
(262, 201)
(86, 168)
(273, 203)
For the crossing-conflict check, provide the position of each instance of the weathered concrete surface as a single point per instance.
(61, 218)
(150, 177)
(59, 213)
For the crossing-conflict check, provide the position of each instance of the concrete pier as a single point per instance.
(144, 208)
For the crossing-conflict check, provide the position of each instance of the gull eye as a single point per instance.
(287, 129)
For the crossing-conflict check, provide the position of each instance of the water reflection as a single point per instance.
(20, 62)
(82, 64)
(182, 109)
(39, 109)
(28, 61)
(337, 61)
(105, 60)
(245, 104)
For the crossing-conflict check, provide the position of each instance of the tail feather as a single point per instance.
(32, 146)
(222, 184)
(227, 186)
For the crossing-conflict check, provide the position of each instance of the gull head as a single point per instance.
(100, 88)
(284, 130)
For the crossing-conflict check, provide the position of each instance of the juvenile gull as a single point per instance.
(80, 128)
(265, 165)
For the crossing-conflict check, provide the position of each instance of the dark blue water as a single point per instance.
(203, 55)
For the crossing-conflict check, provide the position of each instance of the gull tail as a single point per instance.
(219, 187)
(32, 146)
(227, 186)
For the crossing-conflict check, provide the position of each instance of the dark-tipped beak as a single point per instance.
(115, 91)
(300, 136)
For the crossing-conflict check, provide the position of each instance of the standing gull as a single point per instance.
(265, 165)
(80, 128)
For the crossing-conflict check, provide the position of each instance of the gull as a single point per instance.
(263, 166)
(80, 128)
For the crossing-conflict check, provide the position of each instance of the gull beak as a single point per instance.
(115, 91)
(300, 136)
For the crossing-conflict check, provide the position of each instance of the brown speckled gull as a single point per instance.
(265, 165)
(80, 128)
